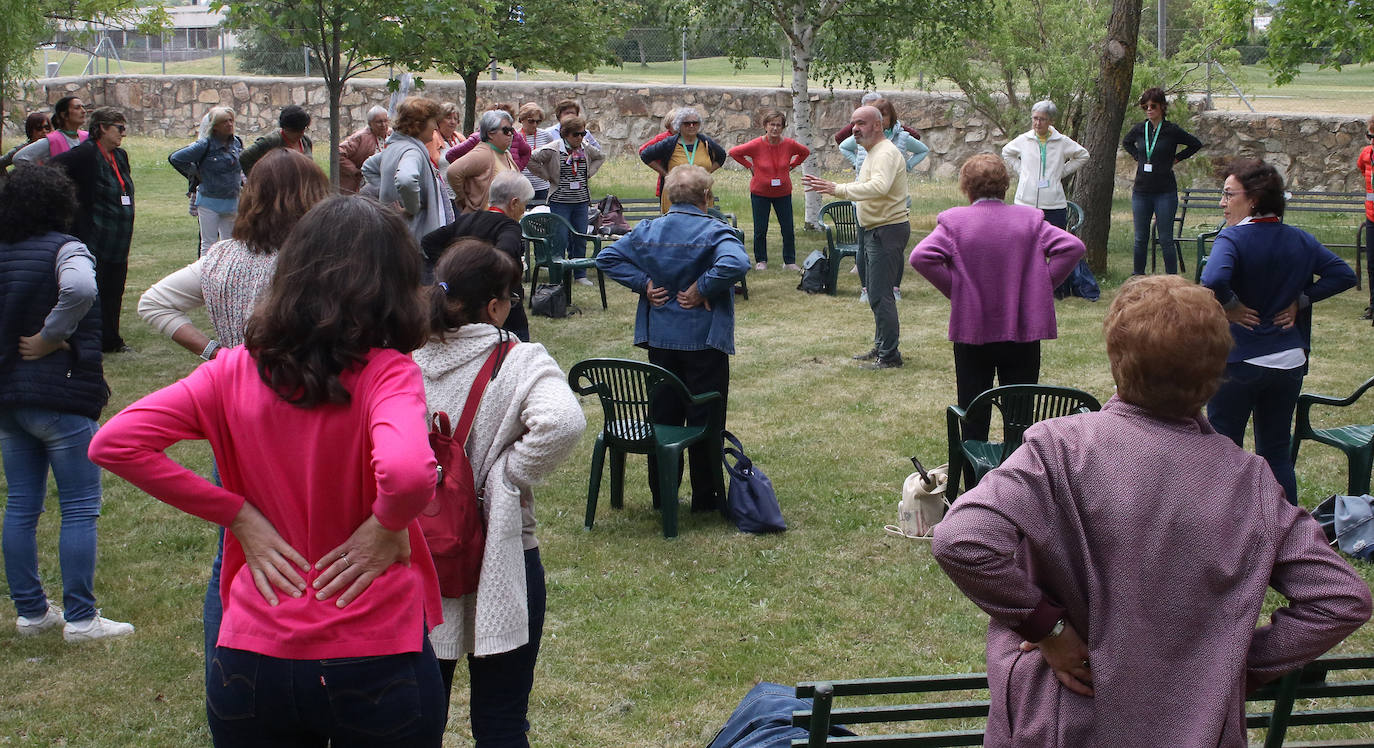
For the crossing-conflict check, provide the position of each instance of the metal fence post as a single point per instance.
(306, 51)
(684, 55)
(162, 40)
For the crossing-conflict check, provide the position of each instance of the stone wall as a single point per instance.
(1314, 151)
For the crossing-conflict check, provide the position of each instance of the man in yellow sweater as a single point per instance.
(880, 195)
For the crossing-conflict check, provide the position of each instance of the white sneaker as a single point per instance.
(34, 626)
(761, 266)
(583, 281)
(863, 296)
(896, 294)
(95, 628)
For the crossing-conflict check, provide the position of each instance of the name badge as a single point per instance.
(574, 185)
(1148, 168)
(126, 200)
(1369, 197)
(776, 183)
(1044, 184)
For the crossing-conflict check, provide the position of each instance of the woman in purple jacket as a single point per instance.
(1123, 556)
(998, 264)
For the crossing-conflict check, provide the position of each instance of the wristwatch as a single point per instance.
(1056, 629)
(211, 348)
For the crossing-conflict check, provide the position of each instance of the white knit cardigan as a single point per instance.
(528, 422)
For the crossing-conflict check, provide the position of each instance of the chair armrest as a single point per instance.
(1310, 399)
(829, 238)
(704, 398)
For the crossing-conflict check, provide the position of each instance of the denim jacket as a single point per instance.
(683, 247)
(214, 163)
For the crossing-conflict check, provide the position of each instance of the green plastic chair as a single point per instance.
(1074, 219)
(1020, 406)
(626, 388)
(1357, 442)
(730, 220)
(547, 235)
(842, 237)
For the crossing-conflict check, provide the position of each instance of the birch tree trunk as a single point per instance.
(803, 41)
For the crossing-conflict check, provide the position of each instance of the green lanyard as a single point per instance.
(1150, 144)
(1043, 145)
(692, 154)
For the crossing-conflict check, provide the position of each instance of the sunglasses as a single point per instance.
(578, 134)
(1369, 135)
(532, 119)
(508, 130)
(120, 128)
(693, 123)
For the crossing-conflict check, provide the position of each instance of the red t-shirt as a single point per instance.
(771, 164)
(1366, 164)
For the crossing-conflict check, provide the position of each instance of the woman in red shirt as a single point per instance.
(771, 158)
(318, 428)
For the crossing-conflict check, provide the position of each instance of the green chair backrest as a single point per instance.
(626, 388)
(1075, 217)
(843, 220)
(1022, 405)
(547, 233)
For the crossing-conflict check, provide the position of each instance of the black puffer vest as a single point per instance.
(65, 381)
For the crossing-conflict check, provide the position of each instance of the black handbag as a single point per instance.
(751, 501)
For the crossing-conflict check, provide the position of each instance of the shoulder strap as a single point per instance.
(479, 386)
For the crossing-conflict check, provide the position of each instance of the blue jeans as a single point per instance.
(782, 206)
(1161, 206)
(500, 684)
(31, 440)
(575, 214)
(1272, 395)
(257, 701)
(212, 611)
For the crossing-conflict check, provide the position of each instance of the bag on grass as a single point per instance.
(923, 504)
(453, 522)
(1349, 523)
(815, 273)
(550, 301)
(610, 217)
(751, 501)
(763, 719)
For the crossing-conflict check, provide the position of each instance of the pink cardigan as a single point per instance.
(316, 473)
(998, 264)
(1156, 540)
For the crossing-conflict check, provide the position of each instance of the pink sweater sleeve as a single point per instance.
(520, 150)
(402, 460)
(458, 151)
(932, 257)
(1061, 249)
(133, 446)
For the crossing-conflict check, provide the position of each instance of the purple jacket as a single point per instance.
(998, 264)
(1156, 540)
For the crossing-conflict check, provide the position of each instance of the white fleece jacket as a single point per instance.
(528, 422)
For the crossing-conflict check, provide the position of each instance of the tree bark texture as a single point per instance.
(1102, 128)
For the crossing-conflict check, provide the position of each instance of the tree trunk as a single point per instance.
(334, 81)
(802, 42)
(470, 99)
(1102, 128)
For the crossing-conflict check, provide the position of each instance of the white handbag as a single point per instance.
(923, 503)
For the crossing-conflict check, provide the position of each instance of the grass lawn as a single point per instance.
(649, 642)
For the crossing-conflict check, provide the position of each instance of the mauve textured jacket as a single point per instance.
(998, 264)
(1156, 540)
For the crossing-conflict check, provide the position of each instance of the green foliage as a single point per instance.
(1025, 52)
(1334, 32)
(266, 54)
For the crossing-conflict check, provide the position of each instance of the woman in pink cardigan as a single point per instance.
(1123, 556)
(318, 428)
(998, 264)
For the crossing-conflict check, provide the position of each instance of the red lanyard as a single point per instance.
(123, 190)
(1265, 219)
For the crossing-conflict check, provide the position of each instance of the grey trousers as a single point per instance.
(883, 250)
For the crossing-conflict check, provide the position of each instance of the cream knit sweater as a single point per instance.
(527, 424)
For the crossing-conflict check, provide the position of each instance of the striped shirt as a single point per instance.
(571, 172)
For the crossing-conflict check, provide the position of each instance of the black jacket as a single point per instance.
(497, 228)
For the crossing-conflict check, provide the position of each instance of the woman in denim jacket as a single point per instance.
(213, 163)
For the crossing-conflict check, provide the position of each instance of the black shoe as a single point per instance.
(872, 354)
(1368, 313)
(891, 362)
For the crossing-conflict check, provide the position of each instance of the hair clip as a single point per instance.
(444, 286)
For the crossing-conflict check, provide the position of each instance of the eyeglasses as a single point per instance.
(578, 134)
(532, 119)
(692, 123)
(1369, 135)
(1227, 195)
(120, 128)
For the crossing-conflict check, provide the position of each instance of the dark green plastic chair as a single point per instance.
(547, 235)
(1020, 406)
(842, 237)
(626, 388)
(1074, 218)
(1357, 442)
(730, 220)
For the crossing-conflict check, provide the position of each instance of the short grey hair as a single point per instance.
(683, 114)
(1046, 107)
(688, 184)
(507, 185)
(376, 110)
(869, 98)
(491, 120)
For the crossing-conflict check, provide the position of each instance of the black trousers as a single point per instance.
(109, 283)
(976, 365)
(702, 371)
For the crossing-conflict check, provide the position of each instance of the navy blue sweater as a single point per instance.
(1267, 266)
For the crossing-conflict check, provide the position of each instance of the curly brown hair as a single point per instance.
(414, 112)
(347, 281)
(1167, 341)
(283, 186)
(34, 200)
(984, 175)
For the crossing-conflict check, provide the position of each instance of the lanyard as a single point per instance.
(692, 154)
(1150, 144)
(1044, 145)
(123, 190)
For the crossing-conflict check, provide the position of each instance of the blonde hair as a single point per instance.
(213, 117)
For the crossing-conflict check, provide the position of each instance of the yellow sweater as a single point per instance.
(880, 193)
